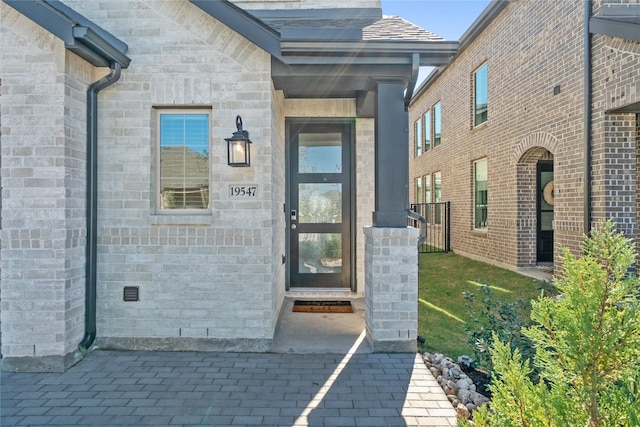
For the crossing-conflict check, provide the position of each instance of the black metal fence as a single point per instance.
(438, 226)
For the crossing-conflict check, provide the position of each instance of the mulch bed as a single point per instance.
(480, 379)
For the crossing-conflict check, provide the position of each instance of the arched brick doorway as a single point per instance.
(534, 161)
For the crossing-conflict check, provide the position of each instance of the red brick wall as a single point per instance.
(532, 48)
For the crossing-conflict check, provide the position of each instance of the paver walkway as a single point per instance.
(235, 389)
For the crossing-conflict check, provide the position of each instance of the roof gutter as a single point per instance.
(80, 35)
(92, 204)
(587, 118)
(415, 70)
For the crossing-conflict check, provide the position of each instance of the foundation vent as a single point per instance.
(131, 293)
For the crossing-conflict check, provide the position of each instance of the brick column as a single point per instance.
(391, 288)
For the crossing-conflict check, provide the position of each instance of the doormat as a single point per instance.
(322, 306)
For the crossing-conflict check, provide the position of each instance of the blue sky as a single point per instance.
(447, 18)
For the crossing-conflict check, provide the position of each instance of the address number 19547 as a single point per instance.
(237, 191)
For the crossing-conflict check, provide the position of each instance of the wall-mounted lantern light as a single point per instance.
(238, 146)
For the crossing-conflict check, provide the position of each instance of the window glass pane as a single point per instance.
(427, 189)
(319, 253)
(437, 123)
(546, 221)
(184, 161)
(481, 95)
(320, 203)
(418, 137)
(427, 196)
(426, 119)
(481, 194)
(320, 153)
(437, 195)
(419, 192)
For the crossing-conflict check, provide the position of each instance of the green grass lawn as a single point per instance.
(442, 311)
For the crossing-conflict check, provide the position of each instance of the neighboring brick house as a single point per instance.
(121, 219)
(507, 130)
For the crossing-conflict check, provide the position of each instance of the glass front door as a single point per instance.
(319, 205)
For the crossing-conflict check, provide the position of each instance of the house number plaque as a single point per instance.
(243, 191)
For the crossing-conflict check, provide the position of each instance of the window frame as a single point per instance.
(437, 195)
(419, 190)
(418, 132)
(426, 185)
(480, 115)
(426, 125)
(485, 205)
(157, 141)
(437, 124)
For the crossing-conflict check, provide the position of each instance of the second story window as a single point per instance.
(426, 120)
(480, 97)
(437, 123)
(418, 137)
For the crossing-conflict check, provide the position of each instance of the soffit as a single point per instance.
(617, 21)
(334, 53)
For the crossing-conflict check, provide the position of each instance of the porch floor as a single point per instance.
(322, 333)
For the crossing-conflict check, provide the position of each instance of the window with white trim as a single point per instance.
(183, 160)
(419, 192)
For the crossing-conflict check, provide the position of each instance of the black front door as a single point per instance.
(319, 207)
(545, 201)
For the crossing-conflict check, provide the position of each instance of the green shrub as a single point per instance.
(587, 346)
(491, 316)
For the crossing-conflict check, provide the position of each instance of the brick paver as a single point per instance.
(234, 389)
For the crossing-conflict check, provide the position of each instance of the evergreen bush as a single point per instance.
(587, 346)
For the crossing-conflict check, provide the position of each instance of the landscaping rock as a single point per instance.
(457, 382)
(463, 411)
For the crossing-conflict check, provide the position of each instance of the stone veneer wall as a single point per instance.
(391, 294)
(304, 4)
(278, 219)
(43, 210)
(205, 281)
(525, 118)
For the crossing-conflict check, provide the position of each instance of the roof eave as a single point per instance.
(80, 35)
(431, 52)
(243, 23)
(615, 28)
